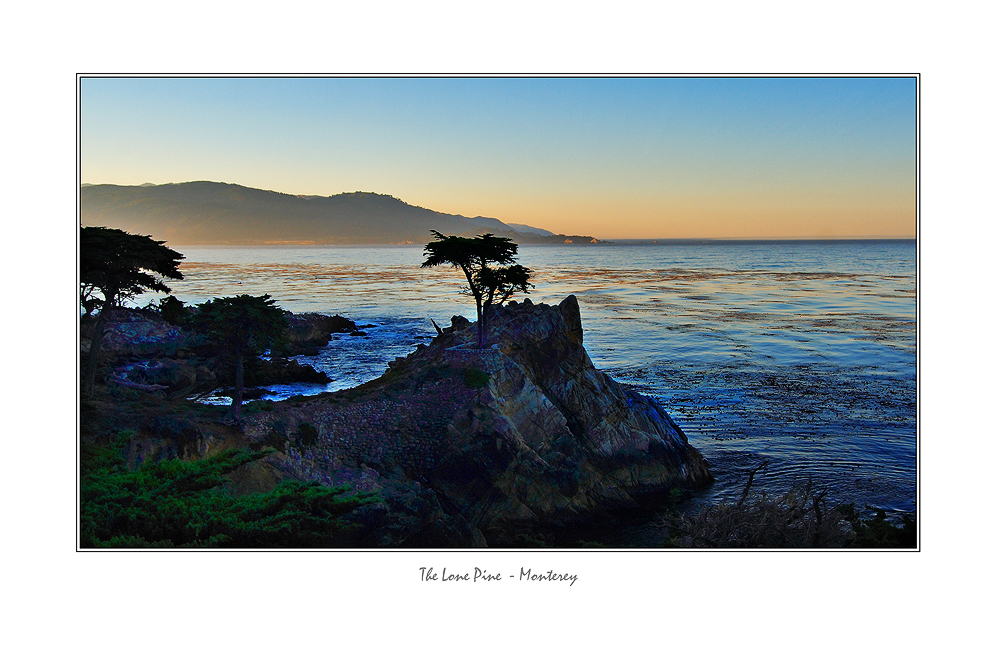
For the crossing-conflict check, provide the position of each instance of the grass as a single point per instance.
(799, 518)
(796, 519)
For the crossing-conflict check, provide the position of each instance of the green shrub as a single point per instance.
(173, 310)
(476, 379)
(258, 406)
(276, 437)
(306, 435)
(878, 532)
(186, 504)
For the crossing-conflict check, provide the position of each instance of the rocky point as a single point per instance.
(472, 447)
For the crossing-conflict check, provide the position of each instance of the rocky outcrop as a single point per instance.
(136, 333)
(525, 433)
(145, 352)
(307, 333)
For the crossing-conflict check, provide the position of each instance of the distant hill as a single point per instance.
(215, 213)
(527, 229)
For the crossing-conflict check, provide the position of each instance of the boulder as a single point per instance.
(307, 333)
(279, 370)
(136, 333)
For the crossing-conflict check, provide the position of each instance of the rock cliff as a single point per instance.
(143, 351)
(493, 442)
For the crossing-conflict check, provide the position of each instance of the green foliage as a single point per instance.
(676, 496)
(185, 504)
(878, 532)
(257, 406)
(476, 379)
(243, 325)
(488, 264)
(172, 310)
(276, 437)
(306, 435)
(526, 540)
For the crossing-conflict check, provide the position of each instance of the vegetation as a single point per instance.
(488, 264)
(799, 518)
(242, 326)
(115, 266)
(186, 504)
(476, 379)
(173, 310)
(796, 519)
(878, 531)
(306, 435)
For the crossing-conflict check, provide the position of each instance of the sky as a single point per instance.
(619, 157)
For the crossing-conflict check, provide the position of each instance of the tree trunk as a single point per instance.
(480, 325)
(90, 367)
(234, 410)
(477, 293)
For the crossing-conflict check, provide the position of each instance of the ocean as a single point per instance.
(801, 355)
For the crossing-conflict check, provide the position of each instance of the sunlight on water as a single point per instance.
(799, 353)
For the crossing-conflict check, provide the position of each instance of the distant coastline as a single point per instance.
(580, 243)
(744, 240)
(221, 214)
(217, 213)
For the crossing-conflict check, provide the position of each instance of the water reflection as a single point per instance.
(801, 354)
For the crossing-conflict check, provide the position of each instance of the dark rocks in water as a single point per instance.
(145, 350)
(278, 370)
(254, 393)
(307, 333)
(179, 374)
(524, 435)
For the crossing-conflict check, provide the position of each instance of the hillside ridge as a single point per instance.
(219, 213)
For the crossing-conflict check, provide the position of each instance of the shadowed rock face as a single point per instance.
(524, 433)
(572, 439)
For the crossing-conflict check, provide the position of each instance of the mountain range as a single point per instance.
(216, 213)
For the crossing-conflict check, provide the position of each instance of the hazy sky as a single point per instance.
(609, 157)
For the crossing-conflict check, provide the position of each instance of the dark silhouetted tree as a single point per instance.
(172, 310)
(115, 266)
(490, 271)
(242, 326)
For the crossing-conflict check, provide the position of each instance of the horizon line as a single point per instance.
(876, 237)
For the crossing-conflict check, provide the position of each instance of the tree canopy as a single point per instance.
(241, 325)
(120, 265)
(488, 264)
(115, 266)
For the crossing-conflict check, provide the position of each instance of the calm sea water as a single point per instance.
(801, 354)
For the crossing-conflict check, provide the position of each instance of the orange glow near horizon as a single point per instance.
(614, 158)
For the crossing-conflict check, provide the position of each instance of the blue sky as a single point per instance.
(612, 157)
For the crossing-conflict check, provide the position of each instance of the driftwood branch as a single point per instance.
(125, 382)
(746, 489)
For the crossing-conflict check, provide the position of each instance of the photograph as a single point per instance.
(528, 313)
